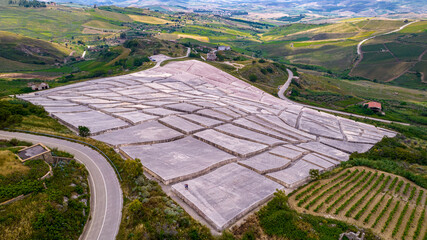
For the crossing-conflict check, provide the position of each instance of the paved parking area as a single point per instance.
(190, 123)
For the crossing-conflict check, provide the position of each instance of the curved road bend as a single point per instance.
(106, 200)
(288, 82)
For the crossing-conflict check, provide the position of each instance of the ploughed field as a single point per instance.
(190, 123)
(392, 206)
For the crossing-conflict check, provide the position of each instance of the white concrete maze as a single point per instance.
(190, 123)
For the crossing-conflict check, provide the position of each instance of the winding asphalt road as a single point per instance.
(359, 46)
(106, 200)
(288, 82)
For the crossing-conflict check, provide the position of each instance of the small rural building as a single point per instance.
(36, 151)
(38, 86)
(224, 48)
(211, 56)
(374, 106)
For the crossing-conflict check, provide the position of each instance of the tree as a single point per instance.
(253, 77)
(84, 131)
(314, 174)
(123, 35)
(132, 169)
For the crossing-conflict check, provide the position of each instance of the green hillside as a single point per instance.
(24, 53)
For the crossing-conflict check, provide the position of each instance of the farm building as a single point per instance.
(224, 48)
(374, 106)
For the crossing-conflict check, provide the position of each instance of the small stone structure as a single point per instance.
(353, 236)
(36, 151)
(211, 56)
(38, 86)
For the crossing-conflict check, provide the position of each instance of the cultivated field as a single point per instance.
(392, 206)
(149, 19)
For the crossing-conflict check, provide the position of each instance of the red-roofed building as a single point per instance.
(374, 106)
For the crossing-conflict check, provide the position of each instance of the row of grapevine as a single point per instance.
(360, 213)
(420, 196)
(340, 208)
(413, 191)
(347, 192)
(408, 224)
(374, 209)
(360, 201)
(344, 187)
(305, 199)
(399, 186)
(393, 183)
(399, 221)
(405, 191)
(420, 224)
(307, 190)
(312, 202)
(390, 216)
(341, 176)
(381, 213)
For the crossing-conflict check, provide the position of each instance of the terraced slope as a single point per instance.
(392, 206)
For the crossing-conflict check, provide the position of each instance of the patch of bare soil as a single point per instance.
(26, 76)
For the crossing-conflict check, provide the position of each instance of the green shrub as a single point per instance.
(253, 78)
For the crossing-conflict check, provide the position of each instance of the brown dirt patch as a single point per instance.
(26, 76)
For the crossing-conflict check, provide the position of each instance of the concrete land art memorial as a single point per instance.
(222, 145)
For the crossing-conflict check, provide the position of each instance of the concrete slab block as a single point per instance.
(295, 175)
(265, 163)
(325, 150)
(236, 146)
(94, 120)
(319, 161)
(204, 121)
(214, 114)
(348, 147)
(160, 111)
(319, 129)
(305, 151)
(288, 153)
(249, 135)
(228, 112)
(67, 109)
(180, 124)
(134, 117)
(289, 118)
(117, 109)
(226, 194)
(144, 133)
(183, 107)
(274, 122)
(179, 160)
(244, 123)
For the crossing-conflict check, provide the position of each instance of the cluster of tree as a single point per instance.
(12, 111)
(25, 3)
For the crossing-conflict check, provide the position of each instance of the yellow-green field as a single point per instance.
(175, 36)
(149, 19)
(9, 163)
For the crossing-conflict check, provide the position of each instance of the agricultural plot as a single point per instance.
(393, 207)
(149, 19)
